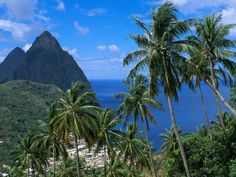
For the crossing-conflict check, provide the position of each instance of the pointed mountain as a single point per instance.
(46, 62)
(11, 63)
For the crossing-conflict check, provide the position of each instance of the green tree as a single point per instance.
(136, 104)
(211, 39)
(161, 52)
(134, 150)
(116, 168)
(67, 168)
(108, 137)
(51, 143)
(77, 112)
(29, 156)
(196, 72)
(169, 142)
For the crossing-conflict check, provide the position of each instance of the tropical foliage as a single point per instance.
(171, 56)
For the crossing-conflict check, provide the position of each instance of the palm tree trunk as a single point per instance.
(178, 137)
(222, 98)
(54, 161)
(28, 169)
(33, 172)
(221, 119)
(105, 162)
(150, 149)
(213, 81)
(205, 113)
(77, 156)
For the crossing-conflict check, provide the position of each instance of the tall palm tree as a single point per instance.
(134, 147)
(116, 168)
(211, 39)
(161, 52)
(29, 156)
(169, 142)
(108, 137)
(67, 168)
(196, 72)
(51, 143)
(77, 113)
(136, 103)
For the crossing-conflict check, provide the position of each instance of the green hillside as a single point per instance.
(23, 104)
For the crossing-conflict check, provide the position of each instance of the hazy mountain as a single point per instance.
(11, 63)
(46, 62)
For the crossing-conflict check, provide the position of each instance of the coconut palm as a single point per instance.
(29, 156)
(169, 141)
(77, 113)
(51, 143)
(66, 168)
(116, 168)
(134, 147)
(196, 72)
(136, 104)
(161, 52)
(211, 39)
(108, 137)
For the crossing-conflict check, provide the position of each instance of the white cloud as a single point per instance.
(228, 16)
(60, 5)
(101, 47)
(194, 6)
(41, 15)
(80, 29)
(20, 9)
(95, 12)
(112, 67)
(17, 30)
(72, 52)
(113, 48)
(26, 47)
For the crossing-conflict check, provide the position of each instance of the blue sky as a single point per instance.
(95, 32)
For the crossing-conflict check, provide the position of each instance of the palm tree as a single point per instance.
(116, 168)
(50, 142)
(196, 72)
(77, 113)
(211, 39)
(161, 52)
(169, 142)
(29, 156)
(134, 147)
(67, 168)
(107, 136)
(136, 103)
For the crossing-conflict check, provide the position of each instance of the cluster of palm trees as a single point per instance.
(173, 57)
(77, 116)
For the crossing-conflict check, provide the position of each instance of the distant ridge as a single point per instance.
(11, 63)
(45, 62)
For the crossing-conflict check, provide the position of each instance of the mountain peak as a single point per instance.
(47, 41)
(18, 50)
(11, 63)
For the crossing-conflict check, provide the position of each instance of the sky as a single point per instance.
(94, 32)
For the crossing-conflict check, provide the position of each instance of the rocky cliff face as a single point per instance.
(46, 62)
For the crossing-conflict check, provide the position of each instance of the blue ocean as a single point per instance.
(188, 111)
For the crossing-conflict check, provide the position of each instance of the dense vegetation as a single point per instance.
(23, 105)
(171, 58)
